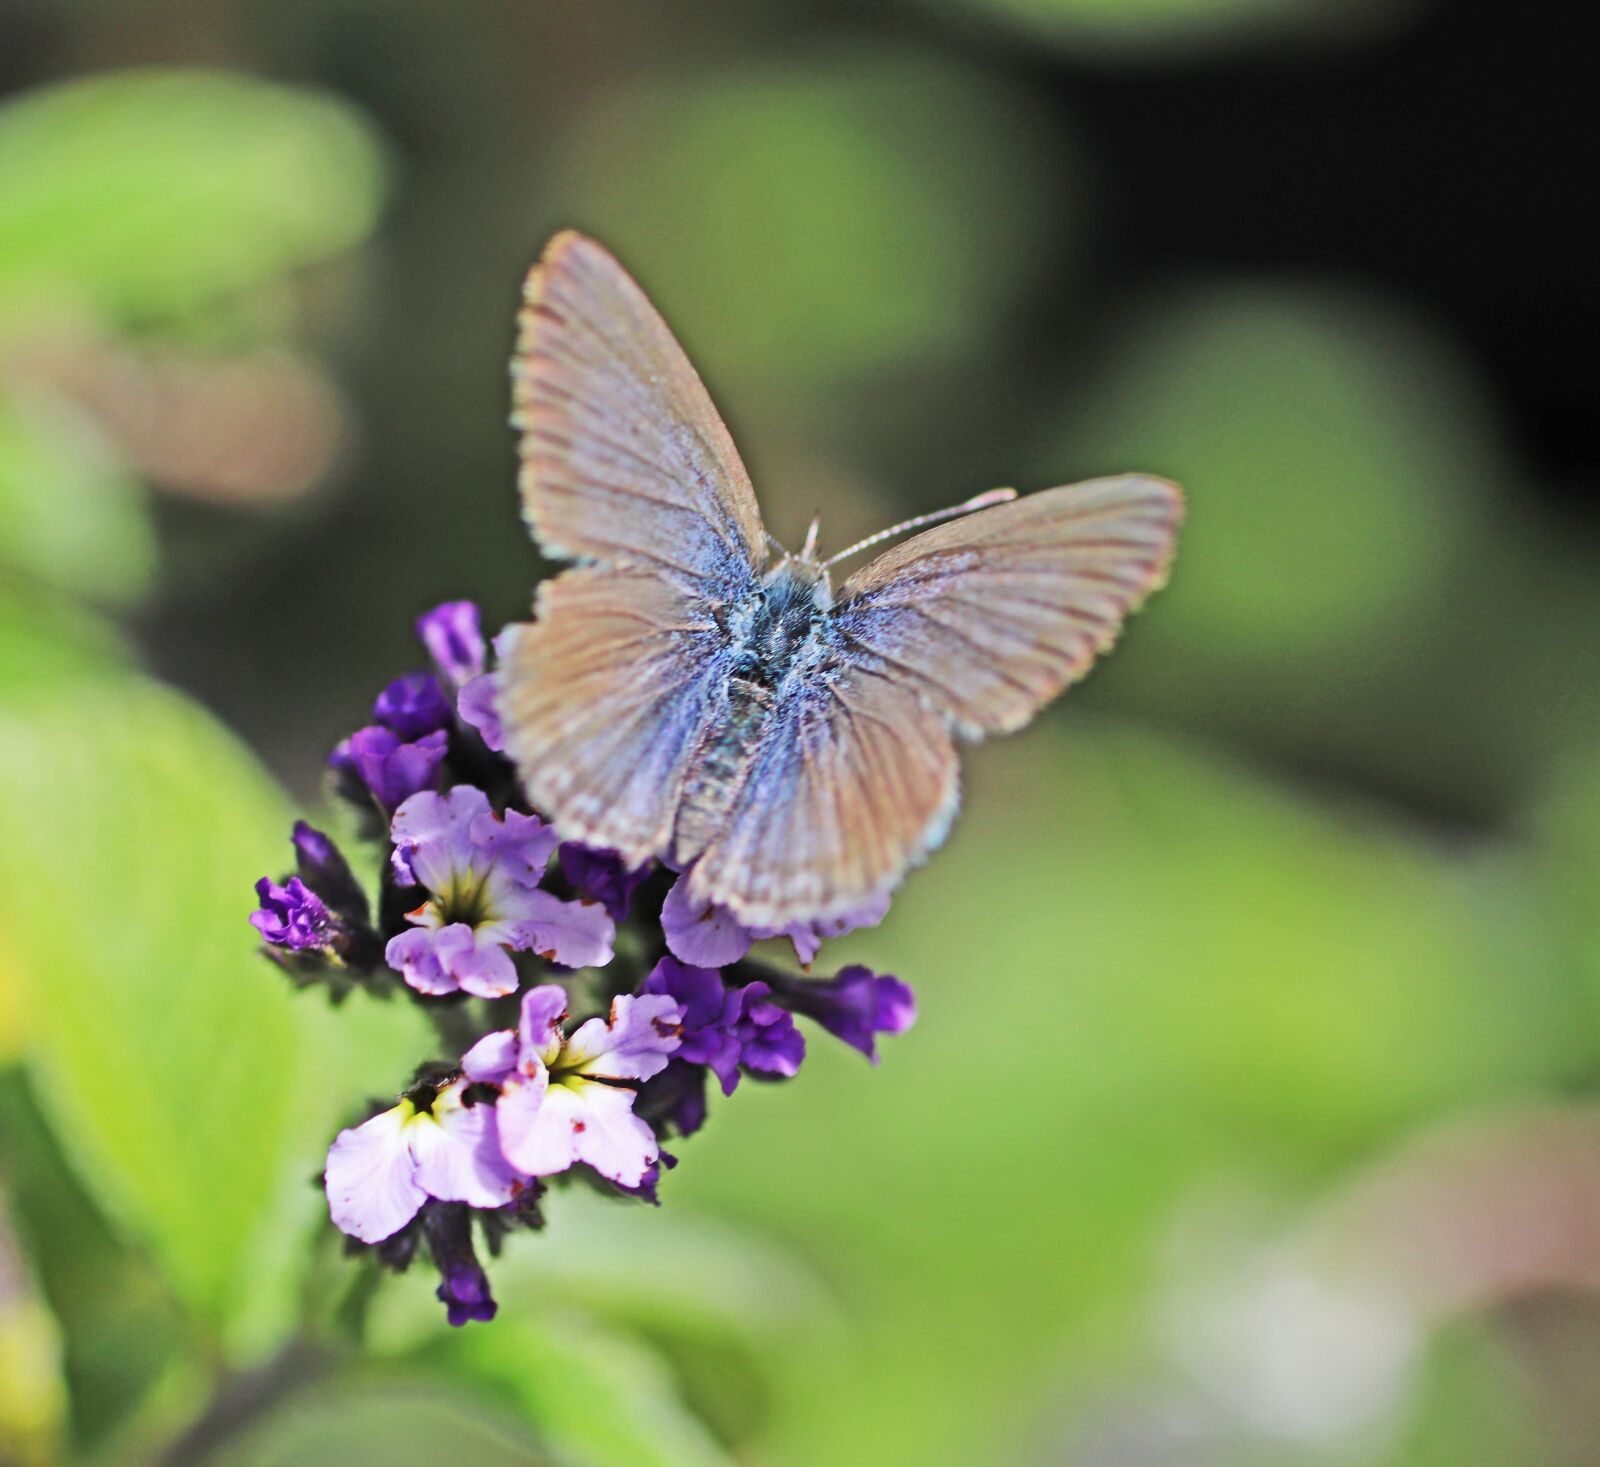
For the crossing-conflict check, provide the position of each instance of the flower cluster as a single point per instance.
(584, 1006)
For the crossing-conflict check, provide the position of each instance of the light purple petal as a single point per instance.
(477, 706)
(529, 1140)
(370, 1181)
(479, 965)
(539, 1026)
(519, 844)
(412, 954)
(614, 1141)
(703, 935)
(808, 937)
(492, 1058)
(432, 835)
(457, 1152)
(633, 1044)
(543, 1134)
(574, 934)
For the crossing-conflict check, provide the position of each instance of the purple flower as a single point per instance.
(476, 707)
(769, 1044)
(413, 705)
(434, 1143)
(482, 871)
(327, 873)
(453, 635)
(856, 1006)
(391, 770)
(295, 917)
(566, 1099)
(724, 1028)
(602, 876)
(463, 1285)
(713, 937)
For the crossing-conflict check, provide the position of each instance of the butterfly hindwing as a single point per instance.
(990, 616)
(603, 700)
(854, 781)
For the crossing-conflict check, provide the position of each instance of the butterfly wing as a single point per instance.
(974, 626)
(989, 617)
(624, 458)
(626, 463)
(855, 780)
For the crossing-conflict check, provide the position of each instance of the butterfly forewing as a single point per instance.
(989, 617)
(624, 458)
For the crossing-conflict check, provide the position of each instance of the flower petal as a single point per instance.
(704, 935)
(633, 1043)
(370, 1177)
(457, 1151)
(432, 836)
(413, 955)
(492, 1058)
(574, 934)
(605, 1132)
(539, 1026)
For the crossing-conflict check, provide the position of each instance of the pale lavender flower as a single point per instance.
(434, 1143)
(482, 871)
(712, 937)
(566, 1099)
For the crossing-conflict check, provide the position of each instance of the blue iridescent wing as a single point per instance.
(971, 628)
(625, 463)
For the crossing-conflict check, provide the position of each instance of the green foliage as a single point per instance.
(148, 195)
(1159, 30)
(91, 534)
(818, 219)
(381, 1425)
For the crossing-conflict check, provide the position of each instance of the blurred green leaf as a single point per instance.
(595, 1398)
(1166, 29)
(131, 827)
(1186, 974)
(71, 514)
(1335, 456)
(379, 1426)
(33, 1398)
(147, 194)
(820, 218)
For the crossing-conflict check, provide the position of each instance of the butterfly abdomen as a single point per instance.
(778, 638)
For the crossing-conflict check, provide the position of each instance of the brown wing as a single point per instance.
(987, 618)
(602, 697)
(624, 459)
(854, 782)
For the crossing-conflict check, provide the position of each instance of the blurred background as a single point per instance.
(1252, 1117)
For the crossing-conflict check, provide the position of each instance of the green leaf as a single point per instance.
(151, 193)
(822, 218)
(1161, 30)
(164, 1049)
(379, 1426)
(1138, 971)
(71, 514)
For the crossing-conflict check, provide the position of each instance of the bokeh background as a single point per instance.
(1252, 1114)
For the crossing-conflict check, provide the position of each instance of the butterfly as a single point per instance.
(692, 692)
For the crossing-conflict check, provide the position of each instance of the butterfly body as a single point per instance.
(685, 695)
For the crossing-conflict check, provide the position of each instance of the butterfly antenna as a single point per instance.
(809, 548)
(772, 540)
(967, 506)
